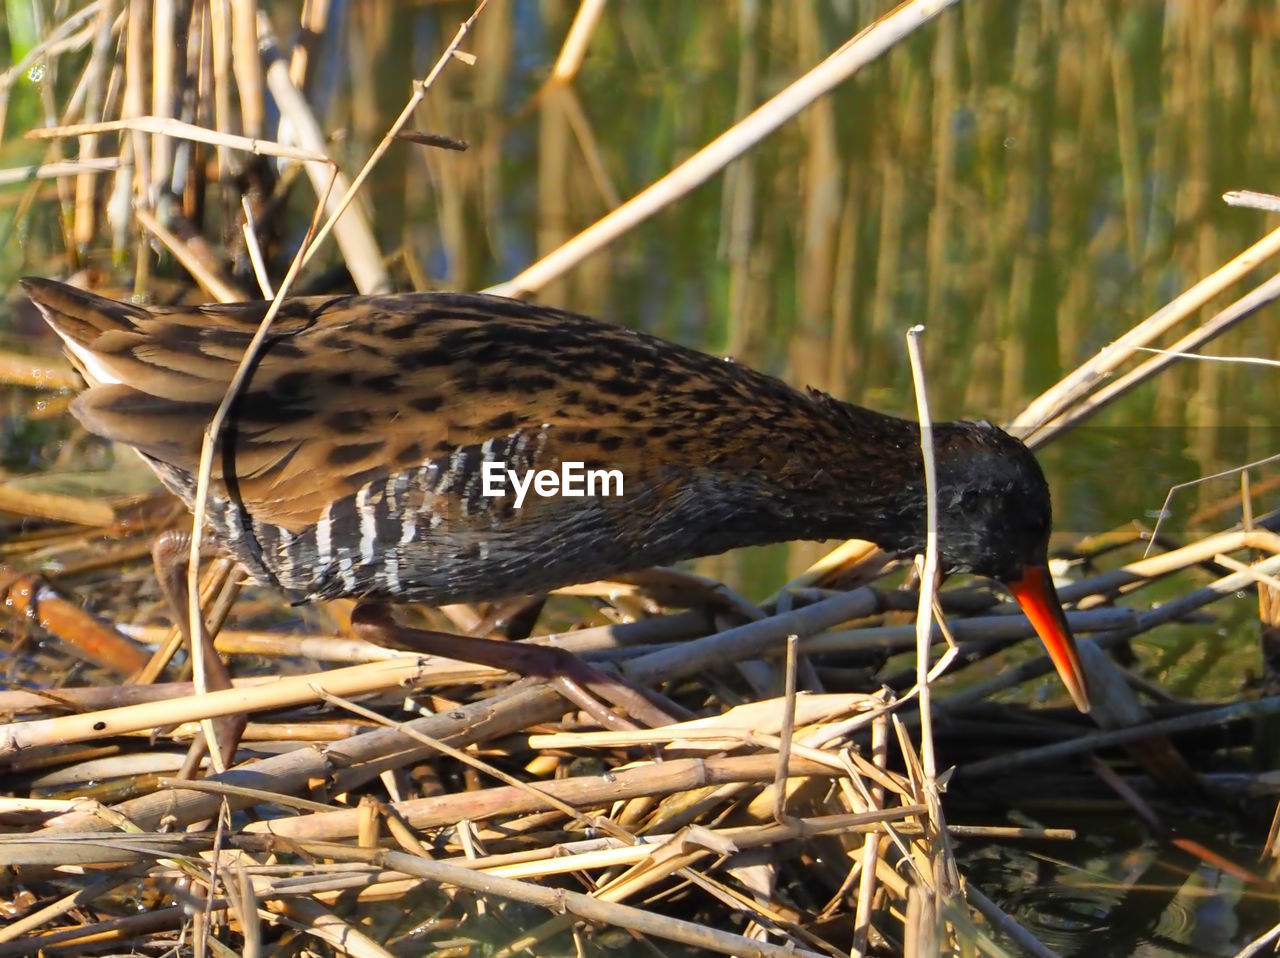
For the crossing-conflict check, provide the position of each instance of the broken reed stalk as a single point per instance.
(63, 168)
(929, 934)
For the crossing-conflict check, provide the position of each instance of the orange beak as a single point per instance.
(1039, 600)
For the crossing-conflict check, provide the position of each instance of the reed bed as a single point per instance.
(384, 802)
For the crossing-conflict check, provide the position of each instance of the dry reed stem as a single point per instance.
(169, 127)
(1259, 945)
(55, 506)
(163, 96)
(611, 637)
(1133, 733)
(1170, 612)
(252, 796)
(1246, 505)
(25, 924)
(537, 794)
(246, 64)
(1002, 628)
(283, 693)
(574, 48)
(323, 925)
(1075, 386)
(1201, 357)
(666, 629)
(1258, 576)
(1147, 569)
(1183, 605)
(85, 225)
(747, 641)
(249, 229)
(47, 171)
(672, 777)
(725, 730)
(419, 93)
(60, 39)
(352, 231)
(107, 847)
(210, 441)
(320, 648)
(314, 22)
(98, 934)
(938, 851)
(848, 553)
(871, 846)
(869, 44)
(600, 853)
(562, 901)
(352, 234)
(347, 765)
(1264, 294)
(217, 584)
(673, 857)
(95, 697)
(1253, 200)
(215, 286)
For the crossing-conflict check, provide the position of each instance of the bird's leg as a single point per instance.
(577, 681)
(513, 619)
(171, 556)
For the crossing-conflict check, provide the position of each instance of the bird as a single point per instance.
(362, 456)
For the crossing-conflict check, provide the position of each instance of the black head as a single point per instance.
(993, 520)
(993, 501)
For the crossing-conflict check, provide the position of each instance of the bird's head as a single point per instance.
(994, 518)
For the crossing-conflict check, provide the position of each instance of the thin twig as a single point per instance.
(212, 434)
(928, 898)
(1247, 360)
(788, 729)
(929, 570)
(419, 92)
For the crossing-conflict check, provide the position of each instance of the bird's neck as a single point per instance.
(827, 469)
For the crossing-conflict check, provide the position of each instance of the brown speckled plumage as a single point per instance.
(351, 463)
(384, 408)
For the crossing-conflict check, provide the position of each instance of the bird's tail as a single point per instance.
(87, 323)
(76, 315)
